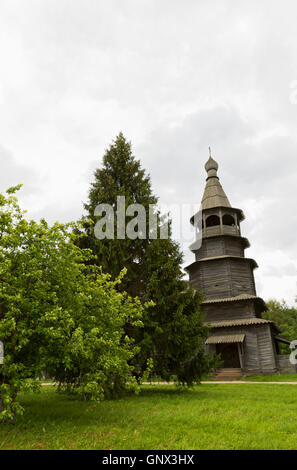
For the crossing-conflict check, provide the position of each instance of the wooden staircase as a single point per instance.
(228, 374)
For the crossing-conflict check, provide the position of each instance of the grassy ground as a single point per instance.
(258, 378)
(273, 378)
(161, 417)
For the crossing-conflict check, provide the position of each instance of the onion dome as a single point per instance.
(211, 167)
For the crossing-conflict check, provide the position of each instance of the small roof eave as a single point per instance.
(213, 258)
(244, 240)
(225, 339)
(282, 340)
(238, 298)
(241, 322)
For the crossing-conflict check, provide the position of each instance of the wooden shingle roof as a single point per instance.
(216, 258)
(224, 339)
(234, 299)
(214, 195)
(241, 322)
(239, 298)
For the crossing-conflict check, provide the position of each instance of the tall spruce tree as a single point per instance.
(173, 333)
(120, 175)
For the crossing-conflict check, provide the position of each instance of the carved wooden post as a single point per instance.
(221, 221)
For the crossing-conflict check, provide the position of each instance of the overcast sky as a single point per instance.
(175, 76)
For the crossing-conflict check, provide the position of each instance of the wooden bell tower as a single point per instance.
(246, 341)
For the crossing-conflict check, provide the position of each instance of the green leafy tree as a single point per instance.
(285, 318)
(173, 332)
(58, 314)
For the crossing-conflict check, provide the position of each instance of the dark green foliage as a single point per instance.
(173, 333)
(285, 318)
(121, 175)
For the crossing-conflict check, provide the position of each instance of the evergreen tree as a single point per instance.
(121, 175)
(173, 333)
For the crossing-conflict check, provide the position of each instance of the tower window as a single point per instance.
(212, 220)
(228, 220)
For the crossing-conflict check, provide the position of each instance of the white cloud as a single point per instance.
(175, 77)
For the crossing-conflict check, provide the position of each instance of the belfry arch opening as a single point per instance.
(228, 220)
(212, 221)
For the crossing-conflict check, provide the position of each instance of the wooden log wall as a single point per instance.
(242, 277)
(226, 277)
(220, 246)
(284, 365)
(266, 349)
(258, 353)
(228, 311)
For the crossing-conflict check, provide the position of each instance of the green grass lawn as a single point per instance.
(161, 417)
(258, 378)
(273, 378)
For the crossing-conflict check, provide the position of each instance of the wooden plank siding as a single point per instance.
(266, 349)
(212, 278)
(215, 279)
(242, 277)
(250, 348)
(284, 365)
(258, 355)
(250, 359)
(225, 277)
(234, 246)
(218, 246)
(234, 311)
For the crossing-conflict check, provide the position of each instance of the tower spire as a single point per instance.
(214, 195)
